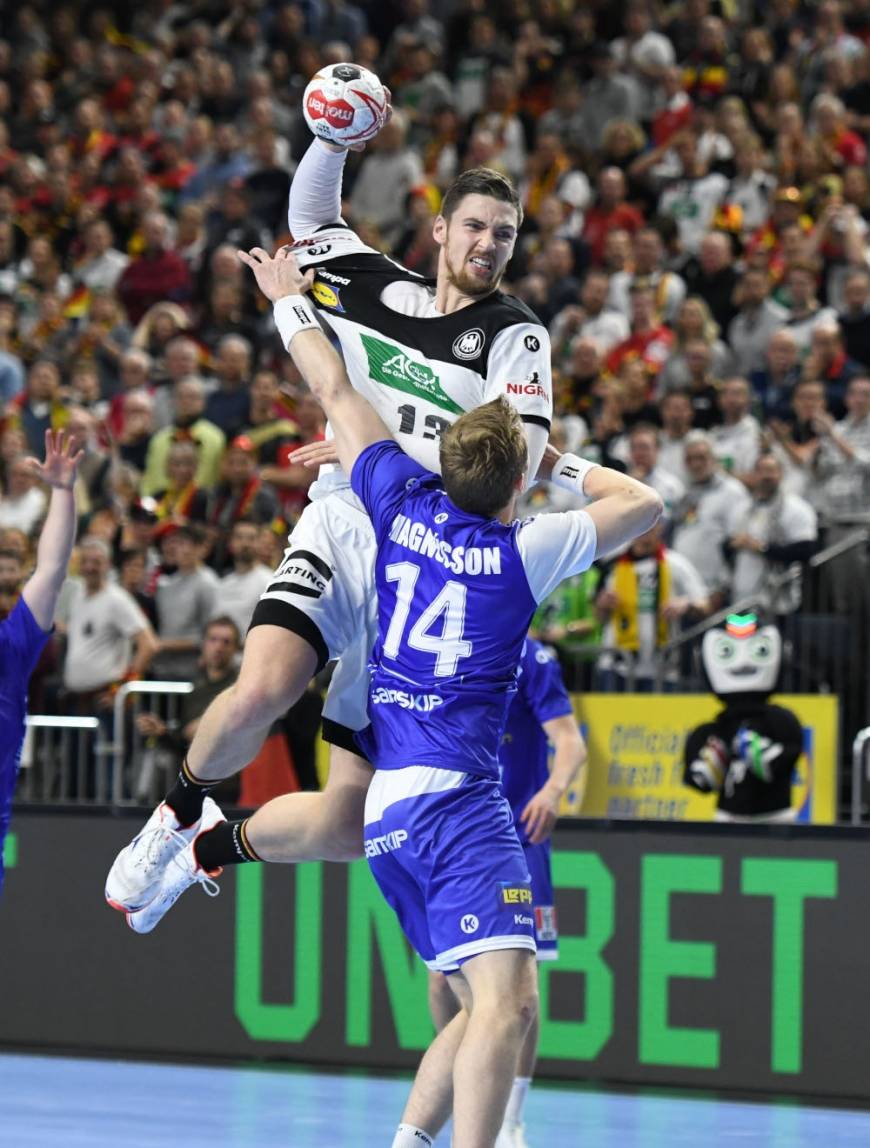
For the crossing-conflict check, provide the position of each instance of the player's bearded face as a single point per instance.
(478, 240)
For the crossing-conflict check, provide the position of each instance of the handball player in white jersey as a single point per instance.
(458, 580)
(421, 353)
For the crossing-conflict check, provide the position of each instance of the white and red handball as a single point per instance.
(345, 104)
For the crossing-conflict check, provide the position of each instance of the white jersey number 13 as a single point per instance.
(448, 646)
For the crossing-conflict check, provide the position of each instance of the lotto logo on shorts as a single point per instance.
(514, 895)
(546, 925)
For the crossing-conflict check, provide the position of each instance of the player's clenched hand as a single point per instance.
(539, 816)
(314, 454)
(277, 275)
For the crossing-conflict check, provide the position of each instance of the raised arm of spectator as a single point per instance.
(355, 423)
(58, 532)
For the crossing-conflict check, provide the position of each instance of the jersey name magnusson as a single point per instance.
(461, 560)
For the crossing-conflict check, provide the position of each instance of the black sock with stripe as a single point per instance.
(187, 795)
(226, 844)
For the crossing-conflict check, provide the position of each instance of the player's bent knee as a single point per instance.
(277, 665)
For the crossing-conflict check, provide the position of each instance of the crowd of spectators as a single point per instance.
(695, 185)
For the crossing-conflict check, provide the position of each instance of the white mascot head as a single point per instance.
(742, 658)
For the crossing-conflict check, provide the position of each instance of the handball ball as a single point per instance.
(345, 104)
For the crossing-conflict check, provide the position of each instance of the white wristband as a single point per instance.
(292, 315)
(569, 473)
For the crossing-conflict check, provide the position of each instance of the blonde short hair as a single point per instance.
(483, 457)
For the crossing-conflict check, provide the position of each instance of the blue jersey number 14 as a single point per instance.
(448, 645)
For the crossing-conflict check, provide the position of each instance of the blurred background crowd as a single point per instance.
(696, 193)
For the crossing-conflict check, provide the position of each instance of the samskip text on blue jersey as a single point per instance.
(423, 703)
(461, 559)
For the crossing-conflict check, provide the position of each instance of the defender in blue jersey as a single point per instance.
(24, 633)
(458, 581)
(540, 717)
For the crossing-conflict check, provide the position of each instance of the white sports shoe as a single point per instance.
(136, 872)
(182, 871)
(512, 1135)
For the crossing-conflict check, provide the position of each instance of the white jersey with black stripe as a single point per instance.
(418, 368)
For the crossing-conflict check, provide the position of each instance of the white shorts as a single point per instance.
(324, 590)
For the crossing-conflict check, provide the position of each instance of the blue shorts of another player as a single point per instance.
(546, 927)
(443, 849)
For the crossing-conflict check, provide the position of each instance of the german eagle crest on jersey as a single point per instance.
(468, 345)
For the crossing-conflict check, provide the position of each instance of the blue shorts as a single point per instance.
(443, 849)
(546, 927)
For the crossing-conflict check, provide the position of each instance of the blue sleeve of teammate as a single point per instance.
(380, 479)
(21, 642)
(541, 684)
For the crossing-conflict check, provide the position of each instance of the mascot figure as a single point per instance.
(748, 753)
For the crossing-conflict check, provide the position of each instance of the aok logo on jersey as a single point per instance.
(394, 367)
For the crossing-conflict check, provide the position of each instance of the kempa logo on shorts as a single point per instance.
(469, 923)
(468, 344)
(393, 367)
(388, 843)
(520, 919)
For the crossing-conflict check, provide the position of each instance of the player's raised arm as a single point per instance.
(622, 507)
(355, 424)
(59, 530)
(315, 193)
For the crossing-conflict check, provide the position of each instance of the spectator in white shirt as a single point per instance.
(759, 317)
(775, 530)
(186, 600)
(108, 637)
(592, 318)
(388, 172)
(239, 590)
(677, 414)
(23, 502)
(805, 312)
(737, 439)
(705, 518)
(669, 289)
(643, 455)
(101, 264)
(644, 54)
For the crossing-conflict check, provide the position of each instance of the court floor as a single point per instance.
(107, 1104)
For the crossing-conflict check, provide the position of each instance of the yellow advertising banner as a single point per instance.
(635, 767)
